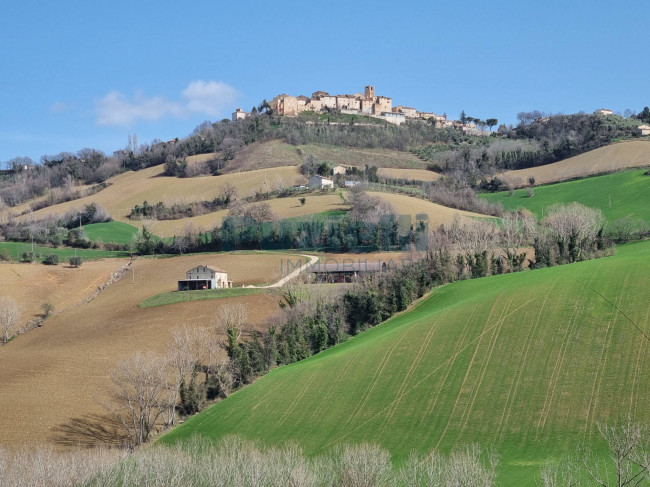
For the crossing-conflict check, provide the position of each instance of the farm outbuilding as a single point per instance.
(346, 271)
(204, 277)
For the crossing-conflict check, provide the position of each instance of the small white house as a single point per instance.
(603, 111)
(643, 129)
(336, 170)
(320, 182)
(239, 114)
(204, 277)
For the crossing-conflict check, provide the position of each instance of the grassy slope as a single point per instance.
(16, 250)
(111, 232)
(528, 362)
(172, 297)
(629, 192)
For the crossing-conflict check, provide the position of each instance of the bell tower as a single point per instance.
(370, 92)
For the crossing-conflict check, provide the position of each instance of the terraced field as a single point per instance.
(624, 155)
(618, 195)
(528, 363)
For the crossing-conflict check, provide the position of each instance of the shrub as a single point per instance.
(48, 309)
(4, 254)
(530, 192)
(51, 259)
(28, 256)
(76, 261)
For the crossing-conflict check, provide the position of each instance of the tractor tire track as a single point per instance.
(414, 365)
(493, 341)
(512, 393)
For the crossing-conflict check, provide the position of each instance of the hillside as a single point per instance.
(614, 157)
(277, 153)
(618, 195)
(527, 362)
(61, 370)
(133, 187)
(438, 214)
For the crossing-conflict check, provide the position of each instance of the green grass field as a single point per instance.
(16, 249)
(111, 232)
(528, 363)
(163, 299)
(618, 194)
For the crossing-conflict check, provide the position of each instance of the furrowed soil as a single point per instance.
(60, 371)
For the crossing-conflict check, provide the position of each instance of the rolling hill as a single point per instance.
(623, 155)
(276, 153)
(618, 195)
(528, 363)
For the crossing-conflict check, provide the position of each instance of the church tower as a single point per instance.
(370, 92)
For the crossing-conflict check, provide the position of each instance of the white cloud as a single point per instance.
(209, 98)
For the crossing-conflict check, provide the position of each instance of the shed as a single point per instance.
(204, 277)
(346, 271)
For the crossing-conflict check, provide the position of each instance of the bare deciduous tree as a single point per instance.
(140, 395)
(9, 316)
(628, 456)
(231, 317)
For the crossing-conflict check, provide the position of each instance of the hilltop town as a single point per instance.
(367, 104)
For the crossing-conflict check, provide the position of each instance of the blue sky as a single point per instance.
(77, 74)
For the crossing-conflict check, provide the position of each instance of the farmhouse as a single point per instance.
(346, 271)
(204, 277)
(320, 182)
(643, 129)
(338, 170)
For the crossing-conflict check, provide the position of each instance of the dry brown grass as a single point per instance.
(132, 188)
(282, 207)
(34, 284)
(59, 372)
(624, 155)
(415, 174)
(438, 214)
(276, 153)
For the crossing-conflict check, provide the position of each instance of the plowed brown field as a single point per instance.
(61, 370)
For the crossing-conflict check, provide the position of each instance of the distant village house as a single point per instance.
(204, 277)
(239, 114)
(320, 182)
(338, 170)
(603, 111)
(643, 129)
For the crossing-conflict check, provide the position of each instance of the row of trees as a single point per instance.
(57, 230)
